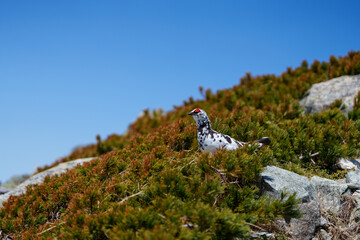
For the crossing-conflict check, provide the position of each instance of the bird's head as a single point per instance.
(199, 116)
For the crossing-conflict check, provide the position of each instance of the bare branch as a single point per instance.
(131, 196)
(49, 229)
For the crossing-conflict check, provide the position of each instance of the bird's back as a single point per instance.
(213, 141)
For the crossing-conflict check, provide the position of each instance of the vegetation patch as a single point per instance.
(153, 182)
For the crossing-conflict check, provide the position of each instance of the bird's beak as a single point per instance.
(191, 113)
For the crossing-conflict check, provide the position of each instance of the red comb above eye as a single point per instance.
(197, 110)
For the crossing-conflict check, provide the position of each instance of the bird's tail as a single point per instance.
(263, 141)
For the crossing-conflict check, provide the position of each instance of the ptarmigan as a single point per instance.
(210, 140)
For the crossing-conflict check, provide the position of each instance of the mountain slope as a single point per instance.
(153, 183)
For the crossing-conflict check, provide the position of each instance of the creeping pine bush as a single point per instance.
(152, 182)
(139, 195)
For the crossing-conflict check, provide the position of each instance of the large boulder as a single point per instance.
(321, 95)
(39, 178)
(318, 195)
(276, 180)
(330, 193)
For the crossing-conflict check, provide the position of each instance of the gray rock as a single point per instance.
(39, 178)
(330, 193)
(341, 181)
(348, 164)
(276, 180)
(354, 186)
(3, 190)
(353, 176)
(262, 235)
(305, 227)
(319, 196)
(321, 95)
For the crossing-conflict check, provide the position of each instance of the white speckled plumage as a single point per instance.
(209, 140)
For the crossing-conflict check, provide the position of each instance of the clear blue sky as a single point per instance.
(72, 69)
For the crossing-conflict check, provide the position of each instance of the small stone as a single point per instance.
(263, 235)
(345, 164)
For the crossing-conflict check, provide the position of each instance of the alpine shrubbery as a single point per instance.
(152, 183)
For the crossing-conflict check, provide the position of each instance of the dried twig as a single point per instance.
(187, 164)
(131, 196)
(162, 216)
(49, 229)
(235, 182)
(314, 154)
(255, 226)
(310, 155)
(221, 173)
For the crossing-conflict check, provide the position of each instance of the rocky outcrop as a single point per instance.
(3, 190)
(276, 180)
(321, 199)
(39, 178)
(330, 193)
(321, 95)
